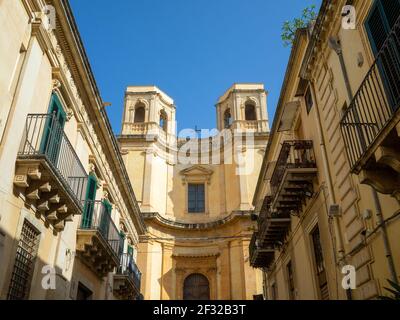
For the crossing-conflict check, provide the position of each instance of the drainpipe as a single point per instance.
(334, 43)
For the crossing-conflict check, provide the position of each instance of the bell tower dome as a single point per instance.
(243, 107)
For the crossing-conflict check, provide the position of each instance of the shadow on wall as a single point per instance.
(167, 285)
(26, 277)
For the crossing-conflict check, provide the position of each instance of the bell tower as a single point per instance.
(243, 107)
(148, 132)
(148, 110)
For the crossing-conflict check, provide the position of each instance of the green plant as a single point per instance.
(394, 290)
(289, 28)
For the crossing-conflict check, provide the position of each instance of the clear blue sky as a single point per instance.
(193, 50)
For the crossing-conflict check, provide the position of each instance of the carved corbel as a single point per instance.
(383, 181)
(389, 157)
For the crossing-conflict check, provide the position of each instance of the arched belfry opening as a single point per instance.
(140, 112)
(196, 287)
(163, 120)
(250, 111)
(228, 119)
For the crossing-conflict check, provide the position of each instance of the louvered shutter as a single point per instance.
(391, 9)
(381, 20)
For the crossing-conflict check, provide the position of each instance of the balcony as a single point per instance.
(370, 126)
(272, 227)
(260, 257)
(48, 172)
(98, 239)
(148, 130)
(292, 180)
(127, 279)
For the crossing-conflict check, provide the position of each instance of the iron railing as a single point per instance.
(294, 155)
(96, 216)
(376, 101)
(44, 138)
(253, 246)
(266, 220)
(129, 268)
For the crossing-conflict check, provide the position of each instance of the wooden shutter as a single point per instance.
(384, 14)
(89, 202)
(53, 131)
(391, 10)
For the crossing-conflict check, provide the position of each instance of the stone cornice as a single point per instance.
(317, 36)
(155, 216)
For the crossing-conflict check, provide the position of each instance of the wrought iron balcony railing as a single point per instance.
(260, 256)
(97, 217)
(44, 139)
(129, 268)
(294, 155)
(375, 102)
(253, 245)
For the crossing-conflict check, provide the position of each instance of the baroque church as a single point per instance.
(196, 194)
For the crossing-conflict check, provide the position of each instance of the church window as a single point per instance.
(196, 198)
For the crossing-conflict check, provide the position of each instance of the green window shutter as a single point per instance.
(89, 202)
(381, 20)
(383, 15)
(391, 9)
(53, 130)
(130, 250)
(105, 218)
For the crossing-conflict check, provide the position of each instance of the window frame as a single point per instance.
(308, 93)
(197, 210)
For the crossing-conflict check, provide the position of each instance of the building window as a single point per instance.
(196, 198)
(24, 263)
(308, 100)
(320, 264)
(139, 114)
(290, 280)
(227, 119)
(83, 293)
(274, 291)
(250, 112)
(381, 20)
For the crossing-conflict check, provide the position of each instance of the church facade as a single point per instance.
(195, 193)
